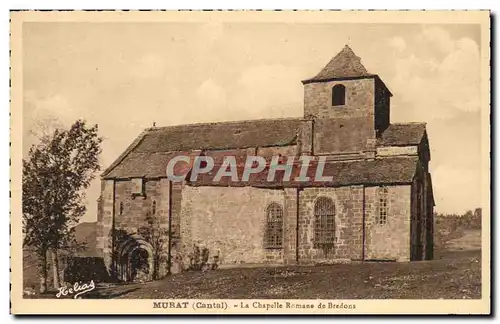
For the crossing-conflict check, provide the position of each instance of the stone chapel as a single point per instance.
(378, 207)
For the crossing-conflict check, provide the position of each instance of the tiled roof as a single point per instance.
(402, 134)
(149, 154)
(344, 65)
(149, 165)
(226, 135)
(210, 136)
(397, 170)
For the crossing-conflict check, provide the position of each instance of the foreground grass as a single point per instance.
(456, 275)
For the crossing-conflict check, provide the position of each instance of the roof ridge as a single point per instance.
(122, 156)
(224, 122)
(344, 64)
(409, 123)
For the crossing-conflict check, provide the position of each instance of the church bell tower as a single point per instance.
(349, 106)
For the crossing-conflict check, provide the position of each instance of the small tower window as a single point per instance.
(338, 95)
(121, 207)
(154, 208)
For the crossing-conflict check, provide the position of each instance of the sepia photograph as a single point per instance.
(247, 162)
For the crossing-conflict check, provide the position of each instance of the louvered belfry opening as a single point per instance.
(274, 227)
(324, 225)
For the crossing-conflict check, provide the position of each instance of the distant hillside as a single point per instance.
(457, 232)
(84, 233)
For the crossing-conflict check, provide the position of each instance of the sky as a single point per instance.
(125, 76)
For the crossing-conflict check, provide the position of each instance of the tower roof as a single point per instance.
(344, 65)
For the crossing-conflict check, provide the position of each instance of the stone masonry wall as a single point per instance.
(105, 222)
(289, 150)
(291, 213)
(382, 106)
(342, 135)
(305, 138)
(341, 129)
(136, 209)
(348, 224)
(359, 100)
(230, 222)
(384, 151)
(389, 241)
(133, 216)
(176, 212)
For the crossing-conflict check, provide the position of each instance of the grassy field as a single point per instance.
(455, 275)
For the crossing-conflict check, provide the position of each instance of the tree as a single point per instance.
(477, 218)
(55, 175)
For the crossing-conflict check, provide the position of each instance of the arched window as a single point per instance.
(274, 227)
(338, 95)
(153, 209)
(382, 206)
(121, 207)
(324, 222)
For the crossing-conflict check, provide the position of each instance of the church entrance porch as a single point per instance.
(139, 265)
(135, 262)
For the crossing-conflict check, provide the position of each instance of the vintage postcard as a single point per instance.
(250, 162)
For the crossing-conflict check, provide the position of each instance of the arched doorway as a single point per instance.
(136, 260)
(139, 265)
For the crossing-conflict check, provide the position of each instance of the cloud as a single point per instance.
(437, 37)
(55, 106)
(456, 189)
(212, 31)
(211, 94)
(148, 66)
(440, 87)
(398, 43)
(209, 34)
(271, 90)
(42, 115)
(436, 79)
(215, 71)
